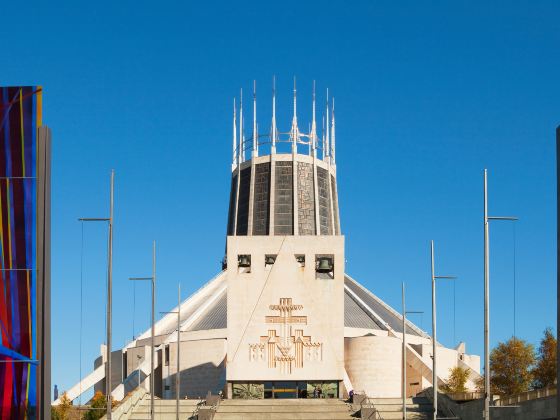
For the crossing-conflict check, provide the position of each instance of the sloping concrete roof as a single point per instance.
(362, 309)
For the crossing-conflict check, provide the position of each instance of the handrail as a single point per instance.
(526, 396)
(445, 404)
(125, 408)
(369, 402)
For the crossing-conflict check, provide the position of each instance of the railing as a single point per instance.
(526, 396)
(199, 404)
(446, 405)
(367, 407)
(125, 408)
(465, 396)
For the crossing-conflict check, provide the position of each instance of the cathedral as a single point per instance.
(282, 319)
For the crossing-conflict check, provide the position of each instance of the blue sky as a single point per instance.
(427, 95)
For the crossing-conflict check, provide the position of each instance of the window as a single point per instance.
(167, 355)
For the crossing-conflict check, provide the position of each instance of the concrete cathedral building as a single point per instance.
(282, 317)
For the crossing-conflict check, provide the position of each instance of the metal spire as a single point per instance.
(255, 142)
(314, 126)
(273, 135)
(241, 152)
(323, 139)
(234, 159)
(333, 141)
(294, 133)
(327, 145)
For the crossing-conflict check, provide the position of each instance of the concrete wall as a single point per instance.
(539, 409)
(374, 365)
(320, 317)
(202, 367)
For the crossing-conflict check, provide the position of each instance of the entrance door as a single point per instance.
(285, 389)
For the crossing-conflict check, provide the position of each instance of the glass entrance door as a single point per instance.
(285, 389)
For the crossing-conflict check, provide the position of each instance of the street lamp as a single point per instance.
(404, 350)
(434, 334)
(109, 292)
(153, 281)
(487, 391)
(177, 376)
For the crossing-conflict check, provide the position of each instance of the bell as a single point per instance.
(269, 260)
(324, 265)
(244, 261)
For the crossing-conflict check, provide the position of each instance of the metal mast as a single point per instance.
(404, 354)
(241, 152)
(333, 141)
(327, 145)
(434, 330)
(110, 301)
(273, 131)
(255, 142)
(314, 127)
(234, 160)
(487, 390)
(178, 375)
(294, 132)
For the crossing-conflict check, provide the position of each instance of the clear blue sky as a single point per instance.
(427, 95)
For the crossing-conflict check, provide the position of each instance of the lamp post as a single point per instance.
(153, 281)
(434, 333)
(178, 374)
(404, 350)
(109, 291)
(487, 390)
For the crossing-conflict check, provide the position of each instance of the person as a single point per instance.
(320, 392)
(351, 395)
(316, 393)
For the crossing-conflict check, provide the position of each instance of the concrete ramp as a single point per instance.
(85, 384)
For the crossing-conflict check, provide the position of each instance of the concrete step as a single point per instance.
(409, 416)
(409, 407)
(398, 401)
(169, 403)
(283, 416)
(282, 409)
(285, 401)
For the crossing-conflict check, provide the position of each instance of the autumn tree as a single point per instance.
(457, 379)
(62, 410)
(98, 407)
(544, 372)
(511, 367)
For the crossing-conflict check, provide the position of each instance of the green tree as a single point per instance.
(457, 379)
(510, 367)
(98, 407)
(544, 372)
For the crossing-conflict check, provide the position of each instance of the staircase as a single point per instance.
(417, 408)
(163, 409)
(284, 409)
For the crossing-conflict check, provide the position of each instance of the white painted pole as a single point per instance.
(434, 334)
(403, 354)
(152, 379)
(110, 301)
(486, 304)
(178, 375)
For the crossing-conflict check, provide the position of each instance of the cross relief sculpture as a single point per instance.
(291, 347)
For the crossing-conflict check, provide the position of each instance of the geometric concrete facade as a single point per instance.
(282, 318)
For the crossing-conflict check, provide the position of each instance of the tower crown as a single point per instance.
(292, 193)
